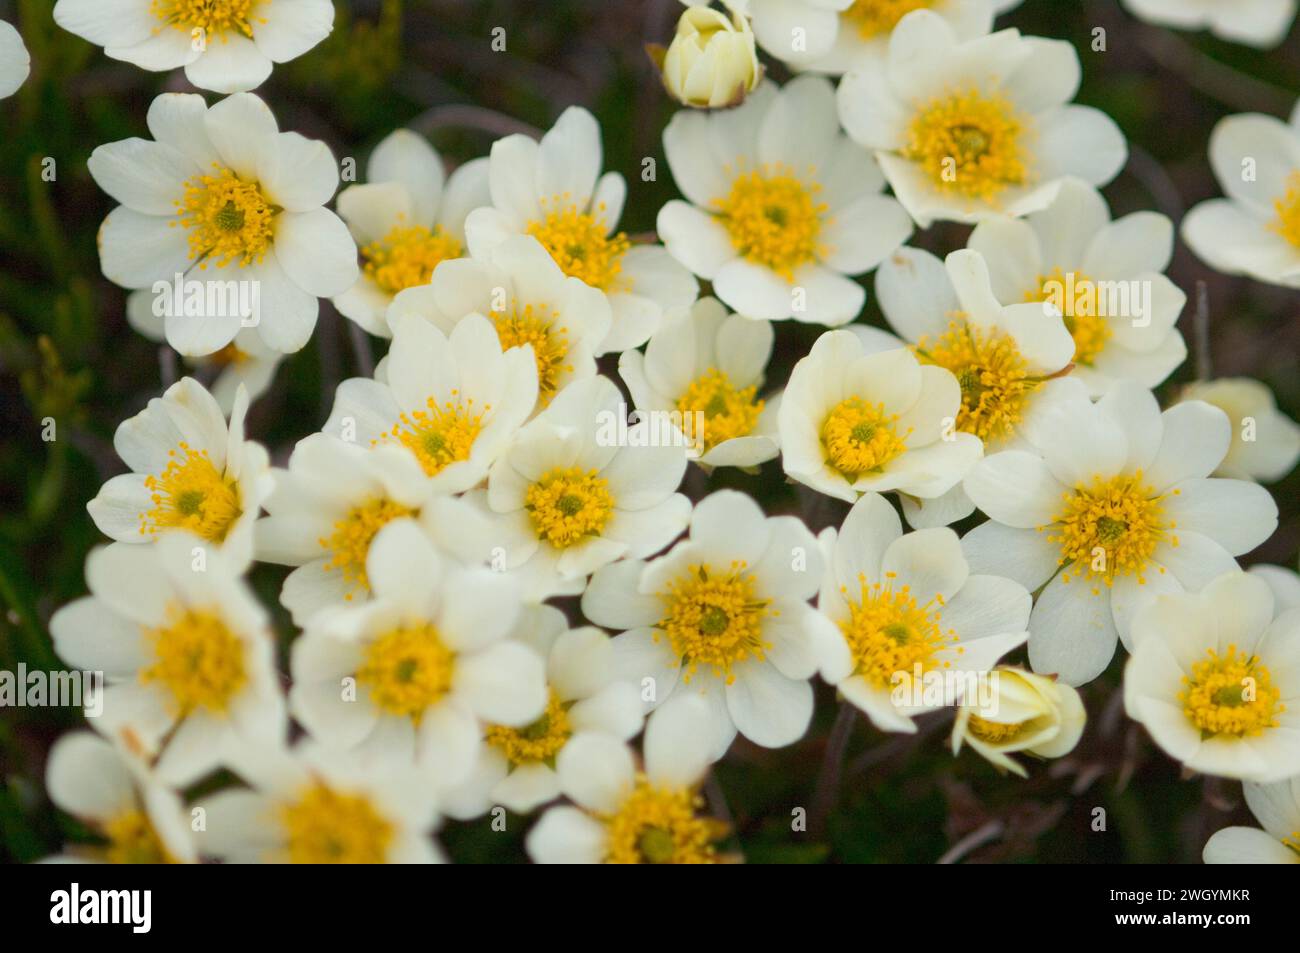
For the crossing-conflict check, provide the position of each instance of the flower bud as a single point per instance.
(1016, 710)
(712, 61)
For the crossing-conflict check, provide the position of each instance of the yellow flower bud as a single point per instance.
(1016, 710)
(712, 61)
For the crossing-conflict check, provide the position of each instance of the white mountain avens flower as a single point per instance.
(313, 804)
(226, 46)
(454, 400)
(106, 787)
(967, 129)
(910, 628)
(1105, 506)
(724, 616)
(185, 648)
(1024, 712)
(852, 422)
(529, 300)
(15, 61)
(1277, 808)
(223, 198)
(1105, 277)
(516, 767)
(1255, 229)
(324, 514)
(573, 493)
(781, 208)
(712, 61)
(707, 365)
(1265, 442)
(625, 814)
(190, 471)
(1260, 23)
(413, 674)
(554, 191)
(834, 36)
(1215, 678)
(407, 218)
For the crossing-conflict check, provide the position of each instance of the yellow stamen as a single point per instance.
(190, 494)
(228, 219)
(197, 659)
(1110, 528)
(995, 732)
(349, 543)
(774, 218)
(407, 670)
(859, 437)
(133, 840)
(1083, 314)
(878, 17)
(729, 412)
(407, 255)
(888, 632)
(1287, 223)
(659, 825)
(537, 326)
(969, 143)
(579, 242)
(992, 373)
(229, 356)
(213, 17)
(538, 742)
(568, 505)
(714, 619)
(1231, 694)
(441, 434)
(324, 826)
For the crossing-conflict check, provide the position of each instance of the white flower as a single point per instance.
(226, 46)
(1105, 506)
(223, 187)
(966, 129)
(707, 362)
(186, 650)
(1024, 712)
(108, 788)
(573, 494)
(406, 219)
(711, 61)
(1259, 23)
(1265, 442)
(455, 401)
(517, 766)
(1104, 276)
(1255, 230)
(521, 290)
(246, 361)
(781, 207)
(15, 61)
(626, 815)
(837, 35)
(324, 514)
(723, 616)
(852, 422)
(409, 675)
(1215, 679)
(189, 471)
(315, 805)
(1277, 808)
(1285, 584)
(904, 610)
(554, 191)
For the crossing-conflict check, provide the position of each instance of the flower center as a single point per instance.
(536, 326)
(568, 504)
(441, 434)
(190, 494)
(539, 742)
(859, 437)
(349, 543)
(579, 244)
(1082, 310)
(659, 825)
(888, 632)
(407, 670)
(197, 659)
(229, 356)
(1287, 223)
(968, 143)
(213, 17)
(407, 255)
(994, 732)
(1110, 528)
(875, 17)
(992, 375)
(773, 218)
(228, 219)
(714, 620)
(728, 412)
(133, 840)
(1230, 694)
(329, 827)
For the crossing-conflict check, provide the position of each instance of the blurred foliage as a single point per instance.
(67, 356)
